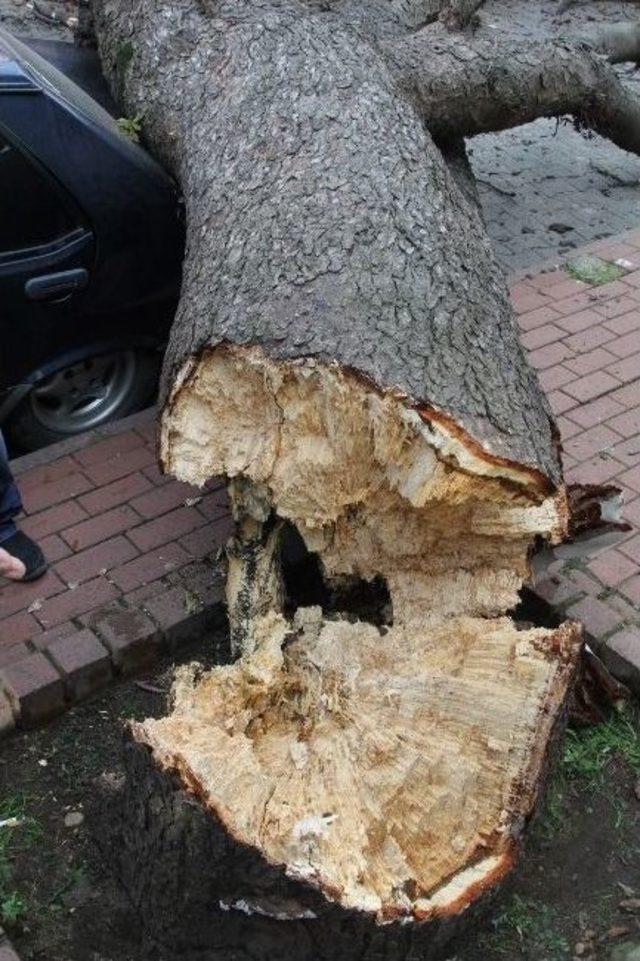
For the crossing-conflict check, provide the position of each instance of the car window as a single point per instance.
(32, 207)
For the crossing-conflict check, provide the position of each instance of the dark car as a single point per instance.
(91, 244)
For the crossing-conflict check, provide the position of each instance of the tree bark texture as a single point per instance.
(346, 354)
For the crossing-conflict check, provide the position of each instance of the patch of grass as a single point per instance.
(18, 832)
(594, 270)
(131, 127)
(589, 752)
(534, 926)
(553, 817)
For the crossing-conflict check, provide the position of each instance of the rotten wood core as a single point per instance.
(390, 768)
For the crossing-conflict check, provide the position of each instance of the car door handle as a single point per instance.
(57, 286)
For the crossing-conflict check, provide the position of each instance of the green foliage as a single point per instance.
(553, 818)
(13, 908)
(593, 270)
(18, 832)
(589, 752)
(533, 926)
(131, 127)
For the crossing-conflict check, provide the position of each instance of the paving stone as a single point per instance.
(119, 492)
(42, 640)
(90, 595)
(182, 615)
(582, 580)
(46, 473)
(149, 567)
(629, 395)
(46, 495)
(612, 567)
(167, 528)
(625, 370)
(130, 635)
(103, 557)
(621, 654)
(614, 310)
(582, 320)
(550, 355)
(554, 377)
(140, 595)
(630, 614)
(537, 318)
(107, 450)
(215, 504)
(631, 589)
(626, 423)
(11, 653)
(164, 499)
(54, 548)
(34, 688)
(597, 411)
(83, 662)
(561, 403)
(631, 478)
(592, 360)
(53, 520)
(110, 470)
(18, 627)
(209, 539)
(597, 618)
(631, 548)
(631, 511)
(596, 470)
(101, 528)
(15, 596)
(556, 591)
(592, 385)
(541, 336)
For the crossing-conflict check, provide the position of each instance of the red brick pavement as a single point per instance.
(128, 544)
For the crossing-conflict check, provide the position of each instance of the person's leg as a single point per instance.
(10, 502)
(20, 558)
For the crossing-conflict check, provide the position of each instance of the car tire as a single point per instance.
(82, 396)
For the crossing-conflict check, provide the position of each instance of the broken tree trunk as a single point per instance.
(346, 354)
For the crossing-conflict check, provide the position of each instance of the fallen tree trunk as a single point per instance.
(346, 354)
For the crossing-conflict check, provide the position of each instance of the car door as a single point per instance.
(46, 254)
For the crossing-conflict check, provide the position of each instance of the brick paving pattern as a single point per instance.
(585, 343)
(133, 569)
(134, 553)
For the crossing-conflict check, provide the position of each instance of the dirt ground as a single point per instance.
(569, 898)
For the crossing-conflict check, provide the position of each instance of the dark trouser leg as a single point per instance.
(10, 502)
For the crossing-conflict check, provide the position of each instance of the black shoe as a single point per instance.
(27, 551)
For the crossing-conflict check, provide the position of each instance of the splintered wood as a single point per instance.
(391, 768)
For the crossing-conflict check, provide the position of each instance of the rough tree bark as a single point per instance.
(345, 353)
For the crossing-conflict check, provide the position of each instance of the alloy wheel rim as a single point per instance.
(84, 394)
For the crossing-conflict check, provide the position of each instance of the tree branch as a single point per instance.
(464, 88)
